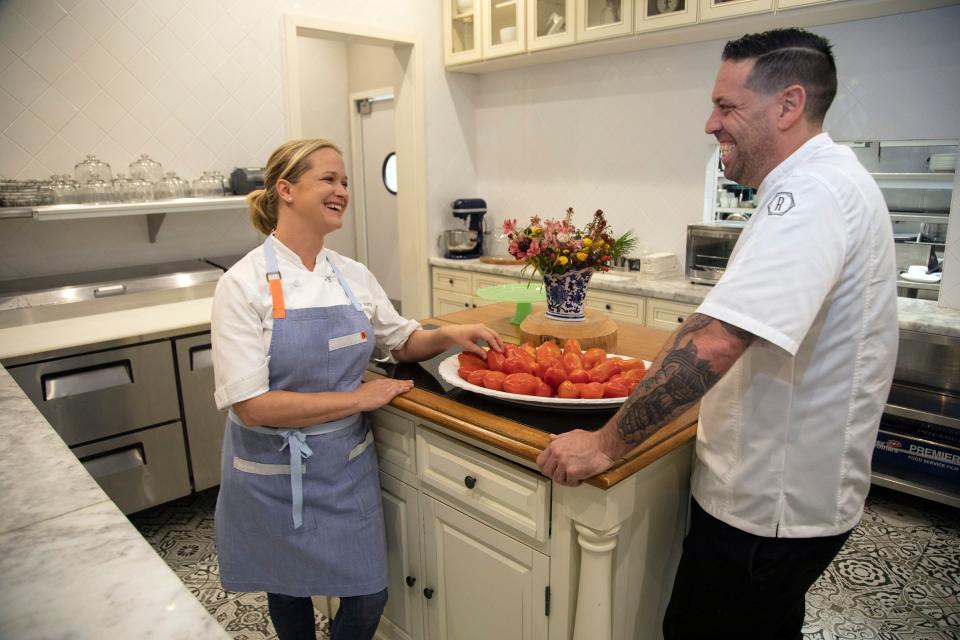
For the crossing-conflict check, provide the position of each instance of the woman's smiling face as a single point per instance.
(320, 195)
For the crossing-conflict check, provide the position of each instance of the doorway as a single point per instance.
(373, 150)
(317, 81)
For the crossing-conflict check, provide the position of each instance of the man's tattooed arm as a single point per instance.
(702, 349)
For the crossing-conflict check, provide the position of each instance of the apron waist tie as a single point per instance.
(296, 441)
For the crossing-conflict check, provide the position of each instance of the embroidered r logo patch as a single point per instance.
(780, 203)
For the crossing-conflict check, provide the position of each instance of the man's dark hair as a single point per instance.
(789, 56)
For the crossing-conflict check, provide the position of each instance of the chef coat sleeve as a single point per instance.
(390, 328)
(236, 332)
(784, 266)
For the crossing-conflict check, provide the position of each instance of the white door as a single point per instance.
(378, 206)
(484, 585)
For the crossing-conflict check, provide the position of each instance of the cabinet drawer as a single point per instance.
(627, 308)
(448, 302)
(452, 280)
(662, 314)
(483, 280)
(500, 492)
(101, 394)
(141, 469)
(205, 423)
(393, 436)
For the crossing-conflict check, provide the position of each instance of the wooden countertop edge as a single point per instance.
(527, 442)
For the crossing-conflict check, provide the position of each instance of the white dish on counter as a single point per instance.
(926, 278)
(448, 371)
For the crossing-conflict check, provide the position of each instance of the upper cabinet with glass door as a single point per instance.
(550, 23)
(597, 19)
(461, 33)
(661, 14)
(720, 9)
(503, 28)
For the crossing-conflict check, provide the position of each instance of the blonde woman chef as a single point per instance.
(294, 325)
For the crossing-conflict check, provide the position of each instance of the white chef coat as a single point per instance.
(787, 435)
(242, 318)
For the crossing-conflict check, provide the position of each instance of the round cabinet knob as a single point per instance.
(470, 481)
(411, 581)
(428, 593)
(608, 307)
(466, 304)
(680, 319)
(450, 280)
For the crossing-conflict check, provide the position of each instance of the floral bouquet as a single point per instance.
(555, 247)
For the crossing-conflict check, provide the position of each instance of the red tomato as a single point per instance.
(494, 380)
(572, 361)
(543, 390)
(635, 375)
(568, 390)
(572, 345)
(476, 377)
(591, 391)
(604, 371)
(633, 363)
(521, 383)
(495, 360)
(472, 361)
(548, 350)
(594, 355)
(530, 349)
(464, 372)
(632, 384)
(616, 389)
(517, 364)
(578, 375)
(555, 376)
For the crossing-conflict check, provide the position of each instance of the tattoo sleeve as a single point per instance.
(682, 375)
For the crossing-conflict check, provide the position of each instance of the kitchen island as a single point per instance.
(473, 527)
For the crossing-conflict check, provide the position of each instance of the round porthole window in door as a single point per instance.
(390, 172)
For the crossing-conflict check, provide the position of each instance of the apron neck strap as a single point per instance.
(343, 283)
(273, 278)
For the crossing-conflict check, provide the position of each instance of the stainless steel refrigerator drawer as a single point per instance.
(97, 395)
(141, 469)
(205, 424)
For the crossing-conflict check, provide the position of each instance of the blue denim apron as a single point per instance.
(299, 510)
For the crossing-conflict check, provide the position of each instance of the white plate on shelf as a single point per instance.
(448, 371)
(926, 278)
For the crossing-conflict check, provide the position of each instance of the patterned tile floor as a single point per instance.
(896, 578)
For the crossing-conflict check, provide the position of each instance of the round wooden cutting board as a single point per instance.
(598, 330)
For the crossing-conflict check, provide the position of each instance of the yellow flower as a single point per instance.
(563, 260)
(535, 231)
(566, 250)
(581, 256)
(587, 242)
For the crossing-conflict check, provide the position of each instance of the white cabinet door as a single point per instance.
(483, 585)
(403, 616)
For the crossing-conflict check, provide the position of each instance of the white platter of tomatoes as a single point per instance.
(547, 375)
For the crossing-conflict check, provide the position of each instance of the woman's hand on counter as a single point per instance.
(377, 393)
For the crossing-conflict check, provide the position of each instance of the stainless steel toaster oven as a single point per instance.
(709, 247)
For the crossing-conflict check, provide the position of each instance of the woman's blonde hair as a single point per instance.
(288, 162)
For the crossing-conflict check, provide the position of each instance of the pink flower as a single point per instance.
(509, 226)
(534, 249)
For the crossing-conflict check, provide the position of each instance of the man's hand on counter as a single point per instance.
(576, 455)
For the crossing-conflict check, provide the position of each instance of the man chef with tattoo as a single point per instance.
(791, 356)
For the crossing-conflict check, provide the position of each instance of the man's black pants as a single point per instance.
(733, 584)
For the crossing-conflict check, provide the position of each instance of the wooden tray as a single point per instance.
(598, 330)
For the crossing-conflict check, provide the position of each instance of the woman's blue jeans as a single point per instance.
(357, 618)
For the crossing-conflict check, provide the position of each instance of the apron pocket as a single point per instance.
(362, 471)
(267, 500)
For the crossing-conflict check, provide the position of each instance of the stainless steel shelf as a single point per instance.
(15, 212)
(932, 180)
(915, 489)
(179, 205)
(916, 216)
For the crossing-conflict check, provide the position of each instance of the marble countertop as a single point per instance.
(915, 315)
(72, 564)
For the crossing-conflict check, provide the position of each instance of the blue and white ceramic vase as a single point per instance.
(566, 293)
